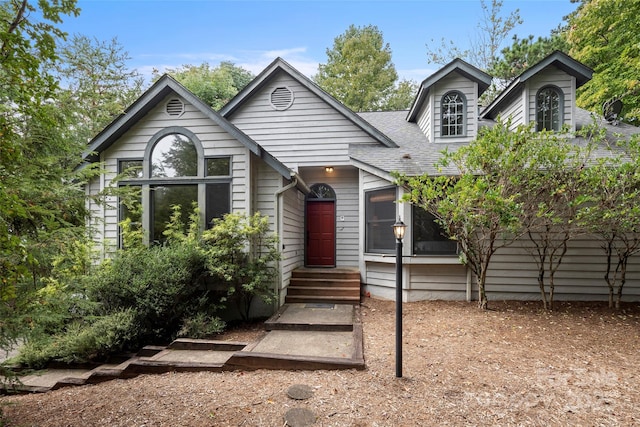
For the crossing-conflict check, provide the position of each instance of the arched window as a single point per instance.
(175, 171)
(549, 102)
(174, 155)
(453, 110)
(321, 191)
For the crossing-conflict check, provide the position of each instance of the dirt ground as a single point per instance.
(511, 365)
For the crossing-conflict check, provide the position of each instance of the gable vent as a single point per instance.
(175, 108)
(281, 98)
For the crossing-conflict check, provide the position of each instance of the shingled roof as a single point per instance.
(416, 155)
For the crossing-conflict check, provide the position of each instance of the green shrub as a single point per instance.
(82, 341)
(151, 294)
(240, 257)
(201, 325)
(104, 336)
(162, 283)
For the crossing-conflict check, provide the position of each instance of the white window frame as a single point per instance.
(461, 121)
(559, 112)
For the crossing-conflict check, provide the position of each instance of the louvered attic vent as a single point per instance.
(281, 98)
(175, 108)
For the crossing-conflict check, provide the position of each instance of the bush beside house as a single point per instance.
(150, 295)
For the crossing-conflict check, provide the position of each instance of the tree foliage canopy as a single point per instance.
(54, 96)
(603, 34)
(613, 212)
(96, 85)
(523, 53)
(359, 72)
(478, 207)
(215, 86)
(36, 162)
(38, 197)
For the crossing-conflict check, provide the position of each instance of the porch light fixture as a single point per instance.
(399, 229)
(328, 169)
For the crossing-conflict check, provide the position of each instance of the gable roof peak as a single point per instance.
(558, 59)
(279, 64)
(456, 65)
(162, 88)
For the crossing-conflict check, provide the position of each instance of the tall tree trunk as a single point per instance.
(554, 266)
(543, 292)
(623, 278)
(482, 294)
(608, 251)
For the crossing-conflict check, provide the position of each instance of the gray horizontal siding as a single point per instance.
(266, 182)
(379, 279)
(310, 132)
(424, 119)
(292, 239)
(513, 274)
(514, 111)
(371, 182)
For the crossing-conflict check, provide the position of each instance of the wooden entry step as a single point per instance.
(324, 285)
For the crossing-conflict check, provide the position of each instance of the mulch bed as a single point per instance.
(514, 364)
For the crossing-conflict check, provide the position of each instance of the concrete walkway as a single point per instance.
(299, 337)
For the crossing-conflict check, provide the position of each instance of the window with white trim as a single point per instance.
(453, 106)
(549, 102)
(380, 215)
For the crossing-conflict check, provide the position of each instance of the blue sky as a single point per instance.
(168, 33)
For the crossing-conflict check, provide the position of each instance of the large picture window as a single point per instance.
(163, 198)
(549, 109)
(380, 212)
(428, 237)
(173, 172)
(453, 106)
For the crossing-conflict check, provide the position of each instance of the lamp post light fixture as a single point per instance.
(399, 228)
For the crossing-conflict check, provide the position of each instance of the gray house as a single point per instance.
(322, 174)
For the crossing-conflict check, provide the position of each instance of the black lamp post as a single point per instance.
(399, 229)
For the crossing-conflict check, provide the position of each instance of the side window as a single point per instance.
(218, 200)
(549, 102)
(130, 168)
(453, 107)
(130, 206)
(380, 212)
(218, 166)
(428, 237)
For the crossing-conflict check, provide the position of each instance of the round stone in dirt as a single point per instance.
(300, 392)
(299, 417)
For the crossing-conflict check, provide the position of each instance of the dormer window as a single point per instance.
(549, 102)
(454, 107)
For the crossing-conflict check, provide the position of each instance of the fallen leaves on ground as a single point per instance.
(514, 364)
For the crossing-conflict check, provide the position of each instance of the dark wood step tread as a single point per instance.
(323, 297)
(324, 279)
(320, 288)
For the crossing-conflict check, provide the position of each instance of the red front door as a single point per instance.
(321, 233)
